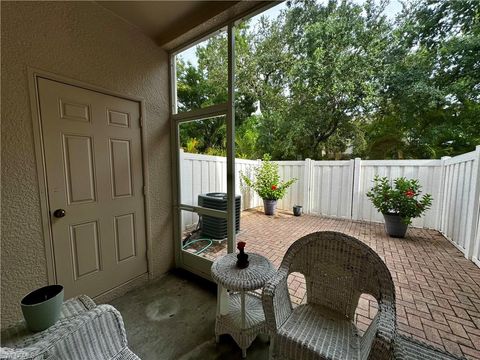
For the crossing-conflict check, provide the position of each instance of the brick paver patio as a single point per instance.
(438, 290)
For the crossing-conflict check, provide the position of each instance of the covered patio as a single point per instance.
(437, 288)
(110, 167)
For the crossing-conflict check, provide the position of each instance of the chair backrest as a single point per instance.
(338, 268)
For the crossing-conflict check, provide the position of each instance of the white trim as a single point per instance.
(175, 161)
(196, 265)
(204, 211)
(146, 188)
(461, 158)
(173, 84)
(327, 162)
(33, 75)
(198, 39)
(201, 114)
(291, 163)
(183, 259)
(402, 162)
(176, 119)
(41, 177)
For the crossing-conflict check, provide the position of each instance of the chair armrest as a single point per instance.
(377, 342)
(96, 334)
(19, 333)
(277, 305)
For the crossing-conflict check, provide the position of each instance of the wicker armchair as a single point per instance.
(338, 269)
(84, 331)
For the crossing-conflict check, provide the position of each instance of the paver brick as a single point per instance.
(438, 290)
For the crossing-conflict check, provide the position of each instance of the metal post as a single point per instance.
(231, 142)
(174, 146)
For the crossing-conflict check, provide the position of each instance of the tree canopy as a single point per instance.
(338, 79)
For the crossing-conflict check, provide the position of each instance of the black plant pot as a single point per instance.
(394, 225)
(242, 259)
(269, 206)
(297, 210)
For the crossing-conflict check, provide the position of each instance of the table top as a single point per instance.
(226, 273)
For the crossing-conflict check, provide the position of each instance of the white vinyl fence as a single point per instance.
(476, 253)
(338, 189)
(460, 209)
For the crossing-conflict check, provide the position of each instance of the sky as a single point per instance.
(390, 11)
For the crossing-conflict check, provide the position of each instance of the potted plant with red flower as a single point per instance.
(267, 184)
(399, 203)
(242, 257)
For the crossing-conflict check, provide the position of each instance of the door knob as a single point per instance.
(59, 213)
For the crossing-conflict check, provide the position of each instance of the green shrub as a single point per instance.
(402, 199)
(267, 182)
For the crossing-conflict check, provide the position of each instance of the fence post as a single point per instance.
(473, 208)
(307, 186)
(442, 193)
(356, 189)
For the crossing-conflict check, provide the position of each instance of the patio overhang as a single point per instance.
(174, 23)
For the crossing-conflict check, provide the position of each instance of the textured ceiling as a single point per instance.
(164, 21)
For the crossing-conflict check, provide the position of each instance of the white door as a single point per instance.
(93, 157)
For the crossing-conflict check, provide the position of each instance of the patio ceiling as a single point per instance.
(165, 21)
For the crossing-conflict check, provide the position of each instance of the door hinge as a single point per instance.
(145, 191)
(141, 121)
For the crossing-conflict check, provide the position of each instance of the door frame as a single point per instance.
(193, 263)
(33, 75)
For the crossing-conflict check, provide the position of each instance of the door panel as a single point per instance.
(85, 248)
(72, 111)
(121, 169)
(125, 236)
(117, 118)
(79, 172)
(93, 158)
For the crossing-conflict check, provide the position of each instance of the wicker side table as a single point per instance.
(239, 309)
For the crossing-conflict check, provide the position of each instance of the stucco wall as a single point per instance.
(83, 41)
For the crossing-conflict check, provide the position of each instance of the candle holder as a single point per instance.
(242, 257)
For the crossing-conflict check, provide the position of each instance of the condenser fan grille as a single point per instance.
(214, 227)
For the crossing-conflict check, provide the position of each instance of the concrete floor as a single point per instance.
(174, 317)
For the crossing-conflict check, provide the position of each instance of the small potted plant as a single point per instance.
(242, 257)
(41, 308)
(267, 184)
(399, 203)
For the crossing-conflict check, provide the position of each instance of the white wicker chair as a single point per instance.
(84, 331)
(338, 269)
